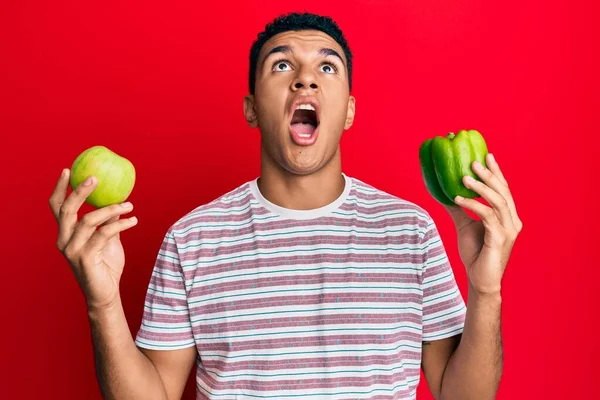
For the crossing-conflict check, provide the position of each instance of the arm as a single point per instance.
(95, 254)
(475, 367)
(126, 372)
(468, 366)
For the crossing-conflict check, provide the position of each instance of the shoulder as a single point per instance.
(232, 203)
(377, 202)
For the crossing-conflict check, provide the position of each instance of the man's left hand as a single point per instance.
(485, 245)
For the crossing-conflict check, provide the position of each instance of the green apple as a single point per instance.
(114, 173)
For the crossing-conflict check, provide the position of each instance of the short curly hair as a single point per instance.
(298, 22)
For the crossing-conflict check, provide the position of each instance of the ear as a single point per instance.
(350, 113)
(250, 112)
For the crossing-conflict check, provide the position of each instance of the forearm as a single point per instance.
(475, 367)
(123, 371)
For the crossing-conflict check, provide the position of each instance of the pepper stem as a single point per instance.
(451, 135)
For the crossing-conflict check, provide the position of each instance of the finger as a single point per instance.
(459, 216)
(490, 179)
(67, 216)
(113, 219)
(116, 218)
(106, 233)
(493, 196)
(487, 214)
(91, 221)
(59, 194)
(495, 169)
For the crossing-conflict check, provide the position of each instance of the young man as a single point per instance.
(304, 283)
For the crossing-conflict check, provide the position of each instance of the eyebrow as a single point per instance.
(332, 52)
(288, 49)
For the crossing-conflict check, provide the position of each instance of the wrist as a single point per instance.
(97, 310)
(491, 296)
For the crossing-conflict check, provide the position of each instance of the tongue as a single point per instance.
(303, 129)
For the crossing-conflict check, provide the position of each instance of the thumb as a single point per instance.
(459, 216)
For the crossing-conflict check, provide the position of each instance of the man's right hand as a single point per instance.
(92, 245)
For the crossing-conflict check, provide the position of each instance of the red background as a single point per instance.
(162, 84)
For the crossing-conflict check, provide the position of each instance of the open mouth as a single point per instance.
(304, 123)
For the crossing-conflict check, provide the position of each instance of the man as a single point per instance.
(303, 283)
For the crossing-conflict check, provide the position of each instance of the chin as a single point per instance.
(297, 159)
(306, 160)
(301, 168)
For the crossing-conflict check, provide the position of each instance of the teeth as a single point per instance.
(305, 107)
(302, 135)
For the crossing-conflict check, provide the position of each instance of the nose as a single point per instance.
(303, 80)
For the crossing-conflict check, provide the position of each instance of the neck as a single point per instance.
(301, 192)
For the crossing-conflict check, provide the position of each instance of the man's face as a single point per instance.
(301, 102)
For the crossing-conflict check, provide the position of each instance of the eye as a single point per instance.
(280, 66)
(328, 68)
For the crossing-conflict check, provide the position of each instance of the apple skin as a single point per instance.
(115, 175)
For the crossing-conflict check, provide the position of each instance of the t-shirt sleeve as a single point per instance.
(444, 309)
(166, 319)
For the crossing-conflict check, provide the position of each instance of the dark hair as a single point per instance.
(298, 22)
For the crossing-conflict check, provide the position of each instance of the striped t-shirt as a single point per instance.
(331, 303)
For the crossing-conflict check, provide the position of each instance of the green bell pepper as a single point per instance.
(445, 160)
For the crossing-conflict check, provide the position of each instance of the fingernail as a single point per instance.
(88, 181)
(458, 198)
(63, 173)
(126, 205)
(478, 164)
(469, 179)
(492, 157)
